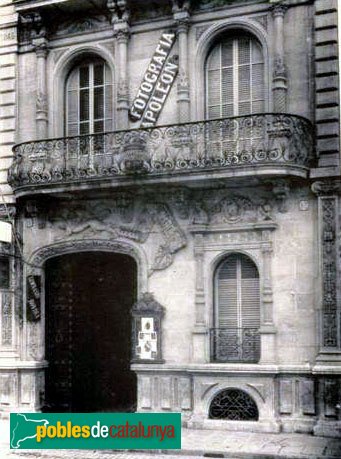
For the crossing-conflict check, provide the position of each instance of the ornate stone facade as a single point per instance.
(179, 199)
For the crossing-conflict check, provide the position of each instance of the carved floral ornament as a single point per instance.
(163, 224)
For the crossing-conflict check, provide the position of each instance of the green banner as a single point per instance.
(95, 431)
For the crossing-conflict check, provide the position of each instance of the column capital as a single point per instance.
(326, 187)
(40, 46)
(122, 32)
(182, 25)
(279, 9)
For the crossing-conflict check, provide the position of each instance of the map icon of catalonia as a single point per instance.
(23, 429)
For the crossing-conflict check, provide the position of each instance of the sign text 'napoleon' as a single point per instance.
(156, 84)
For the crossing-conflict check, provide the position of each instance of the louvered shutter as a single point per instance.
(89, 99)
(237, 296)
(227, 298)
(235, 77)
(237, 310)
(250, 300)
(72, 104)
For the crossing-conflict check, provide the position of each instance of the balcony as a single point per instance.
(256, 145)
(235, 345)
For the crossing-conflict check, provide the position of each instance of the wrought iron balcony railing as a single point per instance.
(235, 345)
(205, 146)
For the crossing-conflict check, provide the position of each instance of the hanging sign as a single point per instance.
(152, 75)
(33, 292)
(161, 92)
(5, 232)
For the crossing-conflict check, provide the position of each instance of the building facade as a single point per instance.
(171, 173)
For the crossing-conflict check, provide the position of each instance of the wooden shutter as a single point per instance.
(89, 99)
(250, 297)
(227, 294)
(235, 77)
(237, 294)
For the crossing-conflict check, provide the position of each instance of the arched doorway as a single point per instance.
(89, 296)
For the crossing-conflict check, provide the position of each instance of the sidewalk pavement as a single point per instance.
(201, 443)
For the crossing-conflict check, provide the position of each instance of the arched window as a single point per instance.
(235, 336)
(233, 405)
(235, 77)
(89, 98)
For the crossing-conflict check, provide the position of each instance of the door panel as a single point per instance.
(88, 332)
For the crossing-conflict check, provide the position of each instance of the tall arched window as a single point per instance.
(235, 336)
(89, 98)
(235, 77)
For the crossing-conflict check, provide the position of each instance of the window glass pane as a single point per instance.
(98, 102)
(98, 74)
(84, 128)
(84, 109)
(4, 272)
(89, 99)
(98, 126)
(84, 77)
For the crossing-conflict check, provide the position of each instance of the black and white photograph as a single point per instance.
(170, 223)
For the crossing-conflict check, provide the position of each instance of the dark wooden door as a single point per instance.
(88, 332)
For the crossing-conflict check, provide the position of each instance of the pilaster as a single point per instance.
(279, 79)
(181, 17)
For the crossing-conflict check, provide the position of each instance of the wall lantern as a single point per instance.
(146, 334)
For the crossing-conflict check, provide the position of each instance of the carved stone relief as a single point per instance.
(138, 218)
(122, 218)
(82, 25)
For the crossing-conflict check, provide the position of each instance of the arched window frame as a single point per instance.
(204, 45)
(232, 72)
(97, 104)
(60, 67)
(254, 339)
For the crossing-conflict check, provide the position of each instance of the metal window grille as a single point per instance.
(233, 405)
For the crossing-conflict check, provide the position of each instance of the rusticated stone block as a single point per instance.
(325, 52)
(285, 396)
(326, 36)
(325, 20)
(307, 396)
(325, 129)
(325, 5)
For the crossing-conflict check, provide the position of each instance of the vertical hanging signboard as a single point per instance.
(33, 295)
(156, 83)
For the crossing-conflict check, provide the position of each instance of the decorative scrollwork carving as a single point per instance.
(202, 146)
